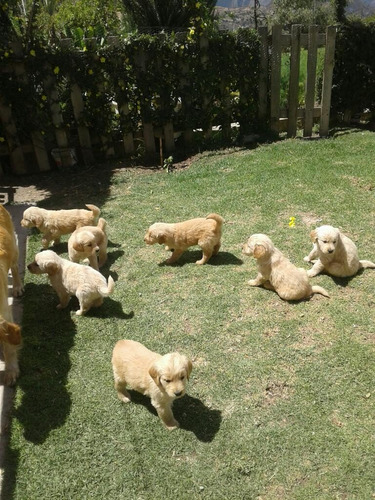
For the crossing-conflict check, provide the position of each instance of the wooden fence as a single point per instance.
(15, 154)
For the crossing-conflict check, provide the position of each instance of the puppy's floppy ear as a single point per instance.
(36, 219)
(189, 368)
(161, 238)
(78, 247)
(154, 374)
(51, 268)
(259, 251)
(313, 235)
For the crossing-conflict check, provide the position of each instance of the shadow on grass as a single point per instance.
(48, 335)
(191, 413)
(221, 259)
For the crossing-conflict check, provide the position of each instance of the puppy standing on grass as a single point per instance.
(68, 278)
(89, 242)
(55, 223)
(162, 378)
(336, 254)
(10, 336)
(277, 273)
(205, 232)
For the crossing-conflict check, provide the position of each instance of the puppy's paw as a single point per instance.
(306, 259)
(18, 291)
(253, 282)
(310, 273)
(80, 312)
(10, 376)
(172, 425)
(123, 398)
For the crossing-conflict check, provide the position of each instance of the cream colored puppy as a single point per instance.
(55, 223)
(10, 337)
(205, 232)
(276, 272)
(89, 242)
(162, 378)
(334, 253)
(68, 278)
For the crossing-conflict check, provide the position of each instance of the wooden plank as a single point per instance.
(294, 80)
(310, 80)
(40, 150)
(127, 136)
(83, 131)
(17, 159)
(263, 75)
(327, 80)
(275, 77)
(206, 99)
(149, 139)
(168, 133)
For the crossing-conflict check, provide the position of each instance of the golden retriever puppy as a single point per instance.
(9, 249)
(276, 272)
(162, 378)
(205, 232)
(10, 336)
(89, 242)
(334, 253)
(68, 278)
(55, 223)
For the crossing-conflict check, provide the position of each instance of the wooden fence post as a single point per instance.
(327, 80)
(311, 80)
(263, 75)
(275, 77)
(294, 80)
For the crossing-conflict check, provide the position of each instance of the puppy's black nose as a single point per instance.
(330, 251)
(177, 394)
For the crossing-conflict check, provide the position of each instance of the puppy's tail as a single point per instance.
(102, 224)
(94, 209)
(107, 290)
(217, 218)
(319, 289)
(363, 264)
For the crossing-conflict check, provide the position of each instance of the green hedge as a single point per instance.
(354, 73)
(180, 81)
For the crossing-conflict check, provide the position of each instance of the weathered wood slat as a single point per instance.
(263, 75)
(294, 80)
(311, 80)
(327, 80)
(275, 77)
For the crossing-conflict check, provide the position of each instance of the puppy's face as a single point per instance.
(31, 218)
(171, 374)
(258, 246)
(45, 263)
(155, 234)
(85, 243)
(10, 333)
(326, 238)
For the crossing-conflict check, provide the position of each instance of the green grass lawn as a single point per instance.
(280, 403)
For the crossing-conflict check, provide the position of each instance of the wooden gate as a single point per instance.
(272, 47)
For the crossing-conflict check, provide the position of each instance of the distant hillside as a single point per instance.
(362, 8)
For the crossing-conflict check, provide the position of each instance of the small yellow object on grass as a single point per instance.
(292, 221)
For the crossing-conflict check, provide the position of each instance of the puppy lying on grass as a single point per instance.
(276, 272)
(162, 378)
(205, 232)
(89, 242)
(336, 254)
(68, 278)
(55, 223)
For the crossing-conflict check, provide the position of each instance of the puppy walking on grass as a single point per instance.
(55, 223)
(68, 278)
(205, 232)
(334, 253)
(162, 378)
(276, 272)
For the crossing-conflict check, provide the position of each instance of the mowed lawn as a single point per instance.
(280, 402)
